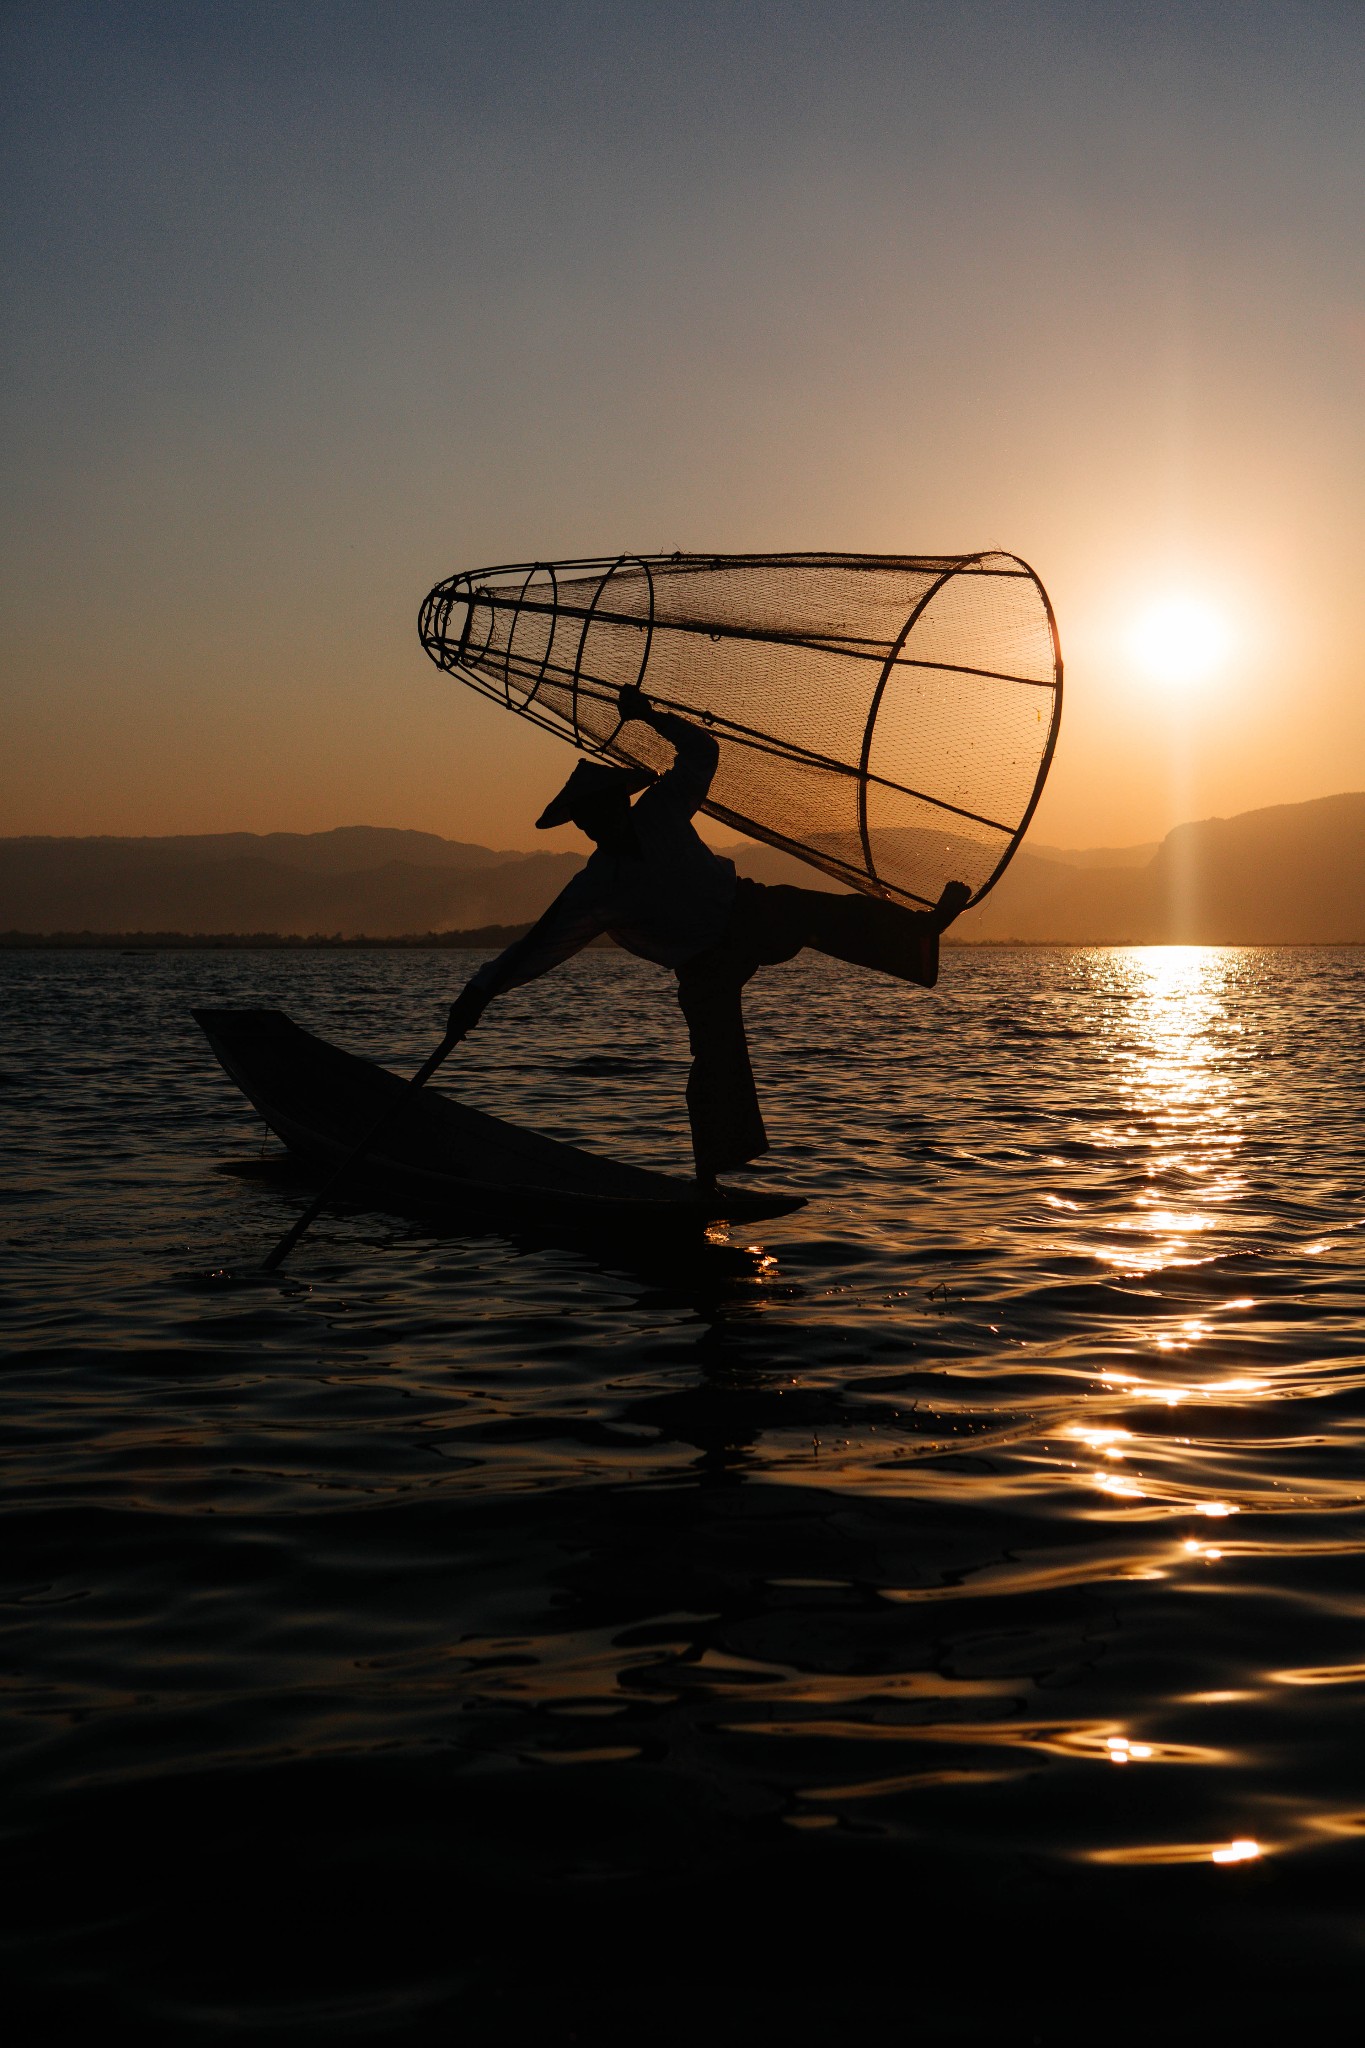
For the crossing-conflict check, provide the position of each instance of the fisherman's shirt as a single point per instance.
(664, 896)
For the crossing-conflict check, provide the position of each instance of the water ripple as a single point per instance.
(1001, 1511)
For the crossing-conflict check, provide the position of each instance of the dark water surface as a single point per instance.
(940, 1616)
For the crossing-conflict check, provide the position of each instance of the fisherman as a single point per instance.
(656, 886)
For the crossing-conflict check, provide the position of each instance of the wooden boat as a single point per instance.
(321, 1102)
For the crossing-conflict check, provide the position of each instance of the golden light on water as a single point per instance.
(1177, 1091)
(1173, 1120)
(1179, 640)
(1324, 1674)
(1122, 1751)
(1244, 1849)
(1156, 1189)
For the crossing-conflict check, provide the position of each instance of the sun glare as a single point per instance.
(1179, 640)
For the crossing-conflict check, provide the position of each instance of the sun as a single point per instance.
(1179, 639)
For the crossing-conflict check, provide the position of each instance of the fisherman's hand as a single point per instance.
(465, 1012)
(632, 702)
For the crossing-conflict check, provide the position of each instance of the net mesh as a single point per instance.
(889, 719)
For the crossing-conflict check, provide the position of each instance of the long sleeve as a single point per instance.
(686, 783)
(572, 921)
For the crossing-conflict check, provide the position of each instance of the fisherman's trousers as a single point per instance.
(770, 924)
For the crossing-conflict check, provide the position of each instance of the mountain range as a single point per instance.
(1292, 874)
(358, 879)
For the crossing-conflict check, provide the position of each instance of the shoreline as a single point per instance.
(489, 938)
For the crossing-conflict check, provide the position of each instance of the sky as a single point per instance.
(307, 307)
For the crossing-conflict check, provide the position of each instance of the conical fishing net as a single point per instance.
(889, 719)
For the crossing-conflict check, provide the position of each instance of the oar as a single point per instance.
(315, 1208)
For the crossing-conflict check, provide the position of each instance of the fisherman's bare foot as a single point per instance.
(951, 904)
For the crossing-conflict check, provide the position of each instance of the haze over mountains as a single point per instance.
(1293, 874)
(358, 879)
(1290, 875)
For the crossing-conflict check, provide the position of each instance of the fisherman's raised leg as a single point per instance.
(867, 931)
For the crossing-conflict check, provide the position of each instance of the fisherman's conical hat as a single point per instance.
(589, 783)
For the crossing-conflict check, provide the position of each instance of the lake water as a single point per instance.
(937, 1615)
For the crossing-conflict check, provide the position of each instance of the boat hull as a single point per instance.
(321, 1101)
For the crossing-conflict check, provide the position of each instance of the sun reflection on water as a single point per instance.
(1174, 1091)
(1029, 1456)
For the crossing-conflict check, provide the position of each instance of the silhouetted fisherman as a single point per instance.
(660, 891)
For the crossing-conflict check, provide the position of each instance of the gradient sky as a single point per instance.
(308, 306)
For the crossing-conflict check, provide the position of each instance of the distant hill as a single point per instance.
(1291, 875)
(360, 879)
(1294, 874)
(1097, 856)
